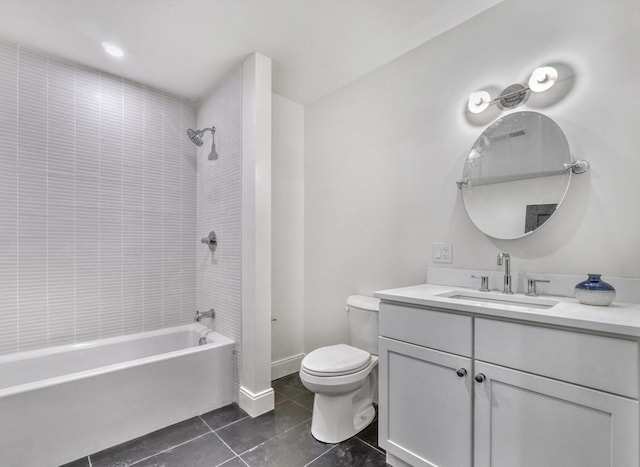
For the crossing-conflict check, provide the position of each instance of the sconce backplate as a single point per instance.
(514, 95)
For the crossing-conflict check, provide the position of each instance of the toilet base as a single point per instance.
(337, 417)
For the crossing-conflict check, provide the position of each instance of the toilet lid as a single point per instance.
(335, 360)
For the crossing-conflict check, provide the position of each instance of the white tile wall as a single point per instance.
(97, 204)
(219, 208)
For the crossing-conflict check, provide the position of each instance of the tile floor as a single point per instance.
(229, 437)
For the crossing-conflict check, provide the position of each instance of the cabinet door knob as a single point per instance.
(480, 377)
(461, 372)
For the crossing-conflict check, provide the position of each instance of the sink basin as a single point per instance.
(511, 300)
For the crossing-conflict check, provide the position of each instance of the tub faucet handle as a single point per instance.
(211, 240)
(484, 282)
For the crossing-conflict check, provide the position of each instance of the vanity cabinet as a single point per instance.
(529, 420)
(426, 417)
(487, 392)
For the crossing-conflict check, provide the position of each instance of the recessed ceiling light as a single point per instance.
(112, 49)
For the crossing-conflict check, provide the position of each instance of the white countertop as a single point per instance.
(617, 318)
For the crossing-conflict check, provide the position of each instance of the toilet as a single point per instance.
(344, 377)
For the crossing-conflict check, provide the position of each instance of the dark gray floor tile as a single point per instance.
(280, 398)
(127, 453)
(250, 432)
(295, 447)
(235, 462)
(306, 400)
(223, 416)
(206, 451)
(351, 453)
(289, 386)
(370, 434)
(84, 462)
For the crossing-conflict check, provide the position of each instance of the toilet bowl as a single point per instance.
(344, 377)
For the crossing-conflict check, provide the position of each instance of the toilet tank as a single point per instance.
(363, 322)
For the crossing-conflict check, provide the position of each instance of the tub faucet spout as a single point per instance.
(207, 314)
(506, 259)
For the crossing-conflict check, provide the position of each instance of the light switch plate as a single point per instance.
(442, 253)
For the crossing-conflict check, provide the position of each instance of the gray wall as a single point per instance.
(97, 204)
(382, 156)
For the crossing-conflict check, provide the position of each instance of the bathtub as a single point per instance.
(62, 403)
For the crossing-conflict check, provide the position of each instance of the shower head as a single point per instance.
(213, 155)
(194, 135)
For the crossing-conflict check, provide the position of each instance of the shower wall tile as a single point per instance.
(61, 201)
(97, 204)
(189, 240)
(32, 200)
(133, 207)
(8, 198)
(219, 207)
(87, 191)
(152, 214)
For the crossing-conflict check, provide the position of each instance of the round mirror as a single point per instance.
(514, 178)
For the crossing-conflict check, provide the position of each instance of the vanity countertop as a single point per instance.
(617, 318)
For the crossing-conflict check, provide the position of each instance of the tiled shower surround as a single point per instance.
(97, 204)
(219, 207)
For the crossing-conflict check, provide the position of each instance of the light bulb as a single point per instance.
(478, 101)
(543, 78)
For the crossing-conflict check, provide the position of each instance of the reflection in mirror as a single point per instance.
(514, 177)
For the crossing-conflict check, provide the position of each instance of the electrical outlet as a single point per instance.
(442, 253)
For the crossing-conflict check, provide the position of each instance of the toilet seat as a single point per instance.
(335, 360)
(337, 383)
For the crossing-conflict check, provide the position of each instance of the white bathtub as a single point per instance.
(62, 403)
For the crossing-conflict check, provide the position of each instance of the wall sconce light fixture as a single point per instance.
(512, 96)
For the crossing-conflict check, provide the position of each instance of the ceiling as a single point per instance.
(187, 46)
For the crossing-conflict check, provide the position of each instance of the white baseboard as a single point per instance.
(286, 366)
(256, 404)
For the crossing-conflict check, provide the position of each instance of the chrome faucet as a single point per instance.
(506, 259)
(207, 314)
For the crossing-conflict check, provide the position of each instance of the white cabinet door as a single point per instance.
(425, 405)
(525, 420)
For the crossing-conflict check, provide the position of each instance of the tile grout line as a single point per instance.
(236, 457)
(224, 426)
(235, 454)
(168, 449)
(232, 423)
(326, 452)
(223, 441)
(299, 404)
(274, 436)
